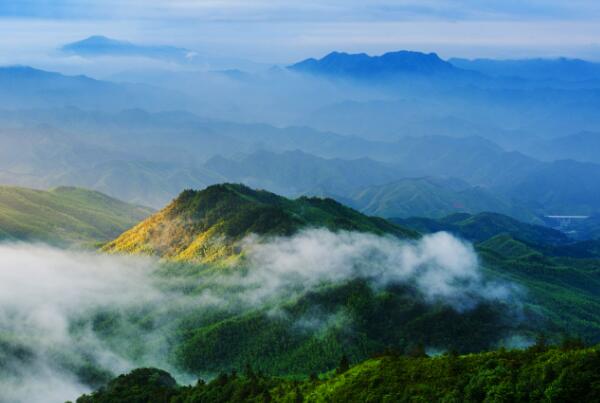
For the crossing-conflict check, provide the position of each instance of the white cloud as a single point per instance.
(50, 299)
(441, 266)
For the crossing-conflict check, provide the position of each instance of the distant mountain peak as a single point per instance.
(100, 39)
(361, 65)
(100, 45)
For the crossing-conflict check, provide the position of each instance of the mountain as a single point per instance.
(140, 182)
(557, 274)
(583, 229)
(292, 313)
(563, 187)
(363, 66)
(297, 172)
(207, 225)
(147, 158)
(24, 87)
(64, 215)
(98, 45)
(431, 197)
(582, 146)
(389, 120)
(294, 332)
(515, 375)
(563, 69)
(483, 226)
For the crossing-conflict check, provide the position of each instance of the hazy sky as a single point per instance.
(283, 31)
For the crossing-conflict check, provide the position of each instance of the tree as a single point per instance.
(248, 371)
(344, 365)
(572, 343)
(417, 351)
(541, 344)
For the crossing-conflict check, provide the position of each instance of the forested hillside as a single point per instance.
(557, 273)
(569, 373)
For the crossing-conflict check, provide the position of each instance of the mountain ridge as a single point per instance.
(363, 66)
(99, 45)
(485, 225)
(207, 225)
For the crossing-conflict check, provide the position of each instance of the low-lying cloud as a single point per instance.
(440, 266)
(52, 301)
(48, 301)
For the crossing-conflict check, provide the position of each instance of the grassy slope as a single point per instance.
(206, 226)
(64, 215)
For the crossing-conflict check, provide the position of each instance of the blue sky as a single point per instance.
(282, 31)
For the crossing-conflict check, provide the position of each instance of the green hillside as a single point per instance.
(563, 290)
(312, 328)
(556, 294)
(482, 226)
(207, 225)
(558, 277)
(539, 374)
(64, 215)
(220, 313)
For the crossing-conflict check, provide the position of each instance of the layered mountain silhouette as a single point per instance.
(433, 197)
(363, 66)
(99, 45)
(24, 87)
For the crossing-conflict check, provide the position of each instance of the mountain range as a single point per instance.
(70, 146)
(363, 66)
(433, 197)
(562, 68)
(582, 146)
(484, 226)
(392, 227)
(24, 87)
